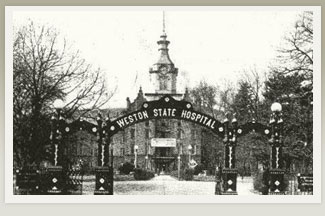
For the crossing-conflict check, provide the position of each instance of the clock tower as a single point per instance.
(163, 74)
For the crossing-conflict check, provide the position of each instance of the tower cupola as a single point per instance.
(164, 73)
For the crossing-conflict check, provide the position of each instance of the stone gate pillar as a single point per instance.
(103, 171)
(277, 186)
(54, 180)
(229, 172)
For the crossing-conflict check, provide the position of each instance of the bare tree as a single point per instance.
(297, 54)
(45, 68)
(225, 98)
(204, 97)
(255, 83)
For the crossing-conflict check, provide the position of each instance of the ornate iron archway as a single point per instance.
(169, 108)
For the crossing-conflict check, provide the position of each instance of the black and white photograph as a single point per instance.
(179, 104)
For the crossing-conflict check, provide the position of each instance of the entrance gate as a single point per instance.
(169, 108)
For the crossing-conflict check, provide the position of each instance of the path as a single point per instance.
(167, 185)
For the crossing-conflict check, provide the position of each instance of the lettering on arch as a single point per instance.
(166, 108)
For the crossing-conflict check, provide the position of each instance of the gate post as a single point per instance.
(103, 172)
(277, 186)
(229, 172)
(54, 180)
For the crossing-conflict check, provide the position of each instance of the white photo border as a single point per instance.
(11, 198)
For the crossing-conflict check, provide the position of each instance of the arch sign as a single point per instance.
(166, 108)
(169, 108)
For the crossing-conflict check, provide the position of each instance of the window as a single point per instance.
(149, 150)
(163, 82)
(123, 137)
(96, 152)
(122, 151)
(147, 123)
(193, 133)
(194, 149)
(179, 134)
(80, 149)
(132, 148)
(132, 133)
(181, 149)
(147, 133)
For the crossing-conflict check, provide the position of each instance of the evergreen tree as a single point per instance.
(242, 104)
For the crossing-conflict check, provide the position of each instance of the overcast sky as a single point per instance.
(211, 45)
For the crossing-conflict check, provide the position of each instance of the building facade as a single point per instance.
(161, 144)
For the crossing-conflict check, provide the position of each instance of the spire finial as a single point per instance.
(164, 27)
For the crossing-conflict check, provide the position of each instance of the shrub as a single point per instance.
(126, 168)
(244, 171)
(188, 174)
(258, 181)
(198, 169)
(142, 174)
(174, 173)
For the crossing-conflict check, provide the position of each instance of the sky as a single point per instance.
(211, 45)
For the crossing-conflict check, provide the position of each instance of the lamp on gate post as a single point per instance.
(225, 125)
(135, 155)
(276, 107)
(103, 140)
(276, 141)
(146, 161)
(56, 133)
(58, 104)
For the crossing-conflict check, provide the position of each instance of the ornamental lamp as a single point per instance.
(234, 122)
(276, 107)
(58, 104)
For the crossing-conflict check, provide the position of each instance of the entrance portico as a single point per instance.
(163, 155)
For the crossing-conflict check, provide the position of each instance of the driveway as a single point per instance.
(167, 185)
